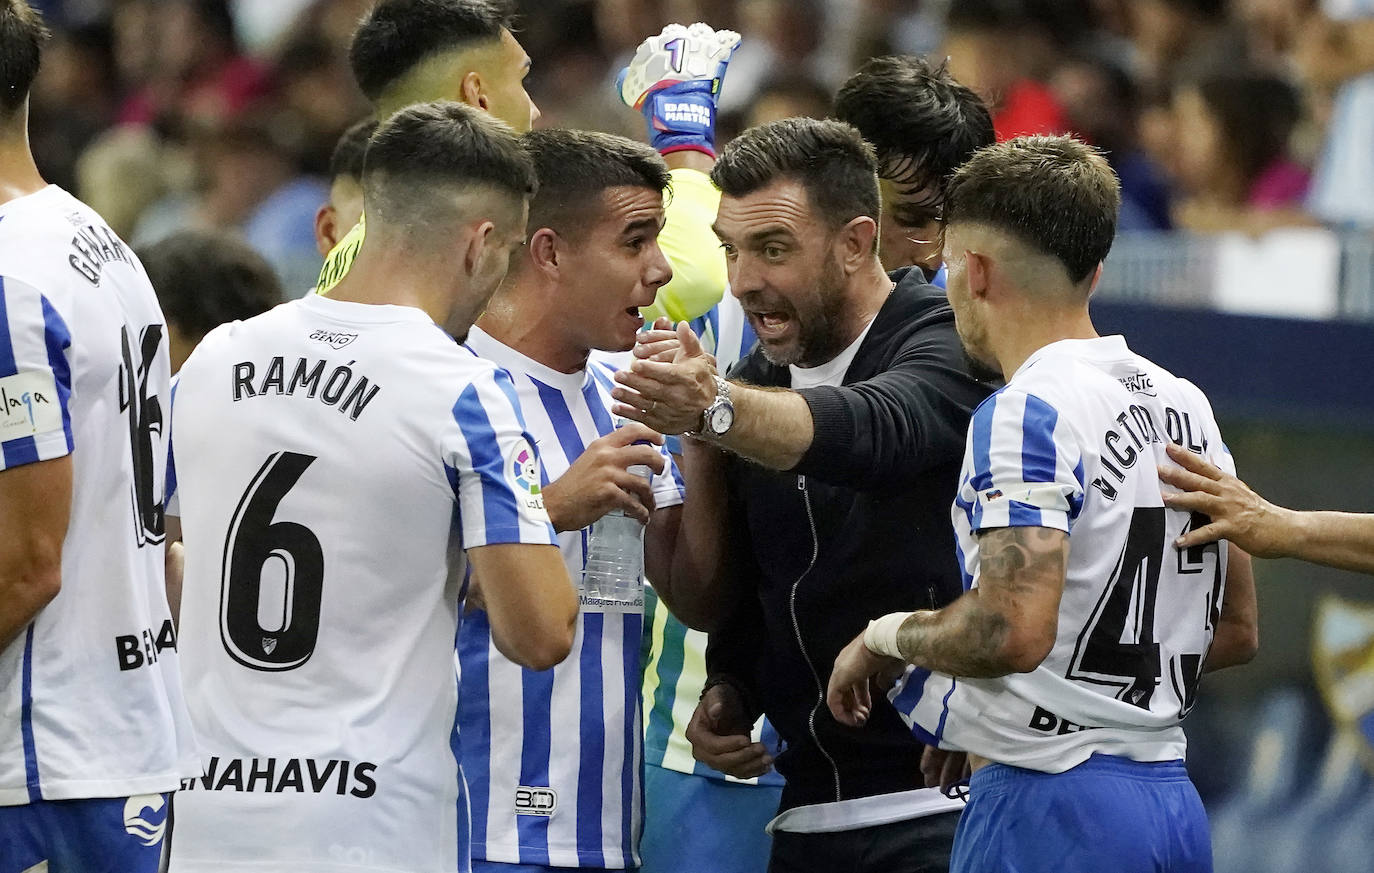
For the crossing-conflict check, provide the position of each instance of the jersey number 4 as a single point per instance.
(1118, 646)
(273, 574)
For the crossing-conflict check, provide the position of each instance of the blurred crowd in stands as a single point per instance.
(222, 114)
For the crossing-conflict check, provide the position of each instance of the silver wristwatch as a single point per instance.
(719, 417)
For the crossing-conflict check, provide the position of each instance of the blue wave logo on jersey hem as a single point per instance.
(145, 818)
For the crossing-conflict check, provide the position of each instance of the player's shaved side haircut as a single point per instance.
(422, 160)
(829, 158)
(920, 121)
(398, 35)
(22, 35)
(1056, 194)
(576, 166)
(346, 162)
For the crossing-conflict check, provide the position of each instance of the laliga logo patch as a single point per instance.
(524, 468)
(148, 829)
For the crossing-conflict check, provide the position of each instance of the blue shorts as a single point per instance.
(1106, 814)
(696, 823)
(103, 835)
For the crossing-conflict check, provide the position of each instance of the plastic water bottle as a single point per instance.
(613, 576)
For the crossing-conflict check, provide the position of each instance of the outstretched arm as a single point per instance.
(1335, 539)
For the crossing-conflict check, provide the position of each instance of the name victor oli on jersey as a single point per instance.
(351, 392)
(276, 775)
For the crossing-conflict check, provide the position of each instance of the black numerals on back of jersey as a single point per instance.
(273, 576)
(1101, 656)
(1117, 647)
(145, 419)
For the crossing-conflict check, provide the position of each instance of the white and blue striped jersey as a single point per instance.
(553, 758)
(1072, 443)
(90, 696)
(331, 461)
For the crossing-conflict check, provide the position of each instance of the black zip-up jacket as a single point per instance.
(860, 528)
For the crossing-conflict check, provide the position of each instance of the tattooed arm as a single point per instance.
(1006, 625)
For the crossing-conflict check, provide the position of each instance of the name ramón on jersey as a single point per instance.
(301, 775)
(351, 392)
(1135, 430)
(93, 247)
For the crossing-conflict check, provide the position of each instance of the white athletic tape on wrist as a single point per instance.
(881, 635)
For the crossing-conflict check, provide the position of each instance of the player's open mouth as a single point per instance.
(633, 312)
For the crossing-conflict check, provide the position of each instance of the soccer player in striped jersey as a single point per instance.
(1065, 672)
(336, 461)
(93, 729)
(554, 758)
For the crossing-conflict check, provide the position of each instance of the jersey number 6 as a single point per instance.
(273, 574)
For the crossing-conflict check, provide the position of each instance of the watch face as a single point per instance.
(720, 418)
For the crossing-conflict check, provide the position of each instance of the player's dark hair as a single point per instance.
(921, 122)
(397, 35)
(1054, 193)
(574, 168)
(205, 279)
(1256, 113)
(22, 35)
(349, 151)
(419, 156)
(829, 158)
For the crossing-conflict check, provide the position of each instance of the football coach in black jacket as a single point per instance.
(819, 488)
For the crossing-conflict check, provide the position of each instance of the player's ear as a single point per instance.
(472, 92)
(545, 253)
(326, 229)
(481, 245)
(1094, 279)
(978, 269)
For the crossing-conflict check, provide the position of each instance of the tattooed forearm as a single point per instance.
(1007, 624)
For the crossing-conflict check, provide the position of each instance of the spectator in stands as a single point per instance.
(1102, 103)
(1233, 160)
(1183, 39)
(196, 70)
(338, 214)
(1335, 52)
(203, 280)
(994, 48)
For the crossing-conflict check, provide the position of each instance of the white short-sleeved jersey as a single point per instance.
(553, 758)
(90, 697)
(329, 459)
(1072, 443)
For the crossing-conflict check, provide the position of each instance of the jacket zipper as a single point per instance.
(796, 629)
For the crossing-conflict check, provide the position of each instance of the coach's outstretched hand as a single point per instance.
(668, 396)
(719, 734)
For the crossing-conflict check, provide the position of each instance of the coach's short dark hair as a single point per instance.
(921, 122)
(421, 154)
(829, 158)
(574, 167)
(397, 35)
(349, 151)
(22, 35)
(205, 279)
(1054, 193)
